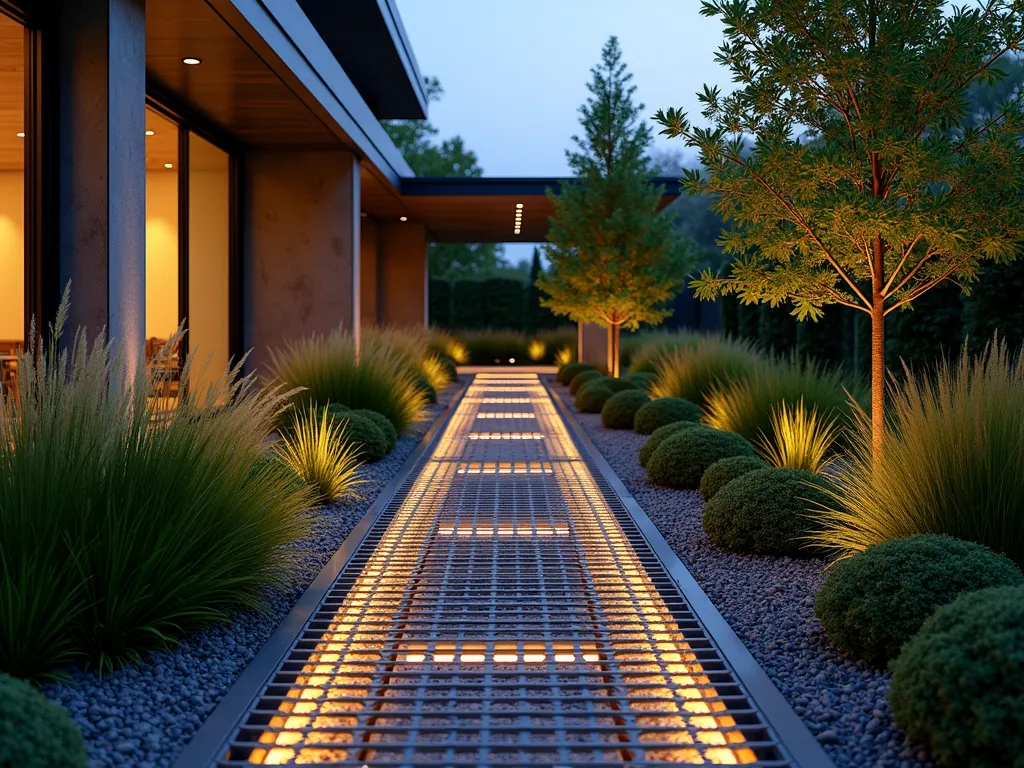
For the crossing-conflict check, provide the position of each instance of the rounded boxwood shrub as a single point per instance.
(620, 409)
(366, 436)
(642, 379)
(658, 435)
(680, 460)
(35, 732)
(582, 378)
(765, 512)
(874, 602)
(662, 411)
(421, 384)
(724, 471)
(566, 372)
(619, 385)
(958, 684)
(383, 424)
(592, 396)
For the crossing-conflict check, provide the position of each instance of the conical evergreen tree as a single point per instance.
(613, 259)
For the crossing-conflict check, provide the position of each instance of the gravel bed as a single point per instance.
(769, 603)
(144, 716)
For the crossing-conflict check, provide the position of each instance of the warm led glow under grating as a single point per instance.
(504, 610)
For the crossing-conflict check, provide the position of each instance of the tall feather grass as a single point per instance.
(693, 370)
(953, 461)
(564, 356)
(536, 349)
(644, 351)
(317, 451)
(412, 345)
(745, 404)
(120, 532)
(800, 438)
(329, 371)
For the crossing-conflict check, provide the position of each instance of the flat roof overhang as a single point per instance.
(267, 79)
(369, 41)
(479, 210)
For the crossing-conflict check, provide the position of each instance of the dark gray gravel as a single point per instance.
(144, 716)
(769, 603)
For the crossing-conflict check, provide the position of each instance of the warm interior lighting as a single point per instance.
(403, 218)
(191, 61)
(20, 135)
(519, 205)
(151, 133)
(511, 359)
(168, 165)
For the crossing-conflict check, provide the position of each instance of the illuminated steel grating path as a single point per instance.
(504, 610)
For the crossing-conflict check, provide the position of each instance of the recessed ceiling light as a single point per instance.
(519, 205)
(151, 133)
(20, 135)
(403, 218)
(362, 214)
(191, 61)
(168, 165)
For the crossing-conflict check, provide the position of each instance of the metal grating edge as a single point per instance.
(793, 734)
(212, 738)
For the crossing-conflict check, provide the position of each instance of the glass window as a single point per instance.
(162, 311)
(209, 245)
(12, 197)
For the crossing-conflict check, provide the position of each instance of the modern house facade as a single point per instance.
(221, 163)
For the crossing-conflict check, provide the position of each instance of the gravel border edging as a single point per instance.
(144, 716)
(769, 604)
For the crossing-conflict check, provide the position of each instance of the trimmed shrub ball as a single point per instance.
(566, 372)
(724, 471)
(874, 602)
(289, 417)
(592, 396)
(383, 424)
(423, 386)
(582, 378)
(642, 379)
(958, 684)
(35, 732)
(657, 436)
(662, 411)
(620, 409)
(680, 460)
(765, 512)
(619, 385)
(368, 438)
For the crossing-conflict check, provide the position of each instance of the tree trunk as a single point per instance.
(609, 345)
(877, 378)
(615, 350)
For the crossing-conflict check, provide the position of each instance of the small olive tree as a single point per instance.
(867, 182)
(613, 258)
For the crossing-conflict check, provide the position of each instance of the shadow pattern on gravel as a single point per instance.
(769, 603)
(144, 716)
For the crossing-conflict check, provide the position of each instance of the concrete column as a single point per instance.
(592, 342)
(101, 75)
(368, 269)
(402, 282)
(301, 244)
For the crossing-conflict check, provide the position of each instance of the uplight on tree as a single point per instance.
(613, 258)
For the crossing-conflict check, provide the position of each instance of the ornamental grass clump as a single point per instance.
(536, 350)
(121, 532)
(800, 439)
(330, 371)
(646, 350)
(958, 684)
(315, 449)
(692, 372)
(745, 405)
(564, 356)
(952, 463)
(874, 602)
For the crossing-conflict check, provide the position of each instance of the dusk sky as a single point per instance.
(515, 74)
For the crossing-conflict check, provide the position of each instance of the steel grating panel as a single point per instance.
(504, 610)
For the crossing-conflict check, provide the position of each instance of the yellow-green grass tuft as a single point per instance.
(317, 451)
